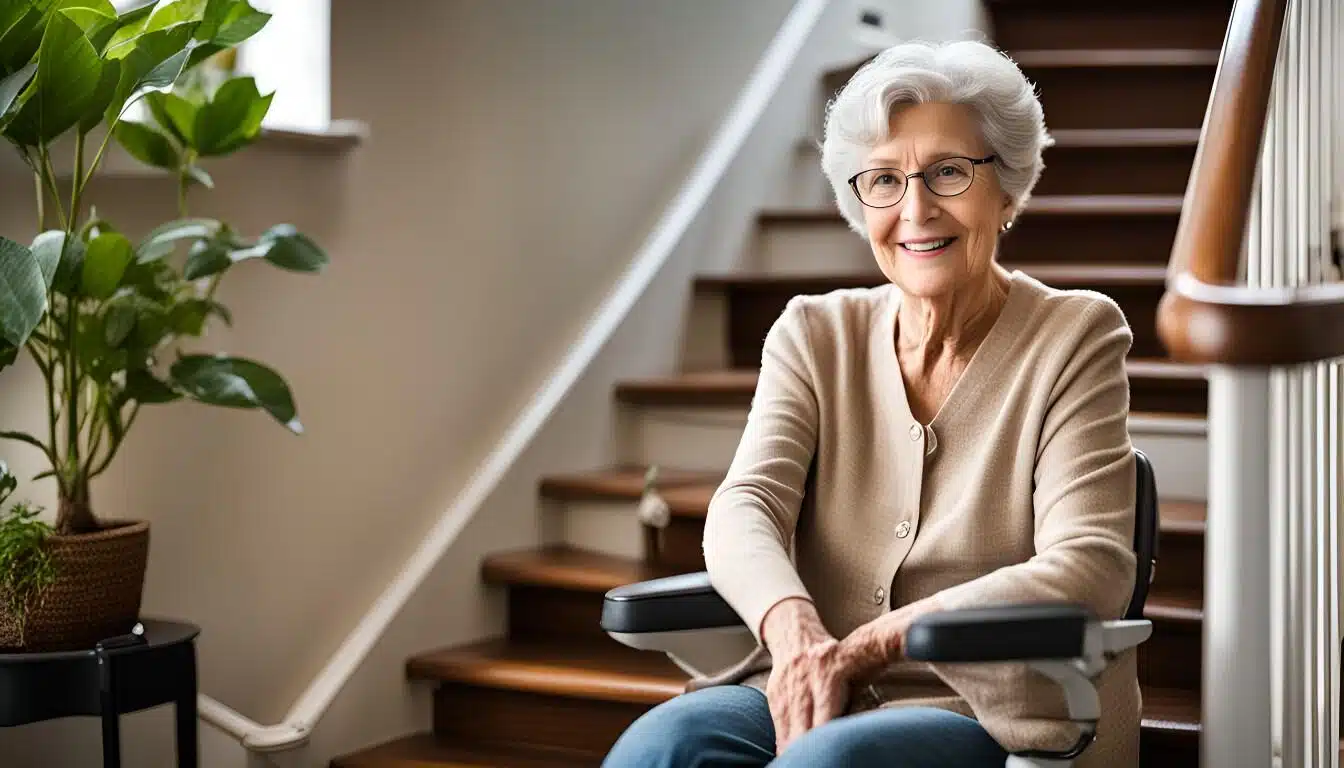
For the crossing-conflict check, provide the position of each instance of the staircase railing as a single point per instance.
(1253, 291)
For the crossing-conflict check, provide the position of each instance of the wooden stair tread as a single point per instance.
(1184, 516)
(1038, 205)
(422, 750)
(606, 671)
(1125, 137)
(1171, 709)
(1057, 275)
(686, 492)
(567, 567)
(1121, 57)
(1183, 604)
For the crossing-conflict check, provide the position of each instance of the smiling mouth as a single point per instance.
(928, 246)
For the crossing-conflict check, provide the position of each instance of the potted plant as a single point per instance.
(104, 317)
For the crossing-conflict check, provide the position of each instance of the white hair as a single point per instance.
(966, 72)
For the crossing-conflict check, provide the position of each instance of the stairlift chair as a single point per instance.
(685, 618)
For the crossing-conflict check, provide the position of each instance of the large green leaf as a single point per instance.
(21, 36)
(151, 60)
(23, 294)
(105, 263)
(231, 119)
(96, 18)
(236, 382)
(46, 249)
(290, 249)
(229, 22)
(118, 322)
(143, 387)
(189, 317)
(161, 240)
(167, 15)
(68, 73)
(50, 248)
(206, 258)
(102, 97)
(12, 86)
(147, 145)
(173, 113)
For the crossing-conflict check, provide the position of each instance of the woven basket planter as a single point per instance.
(100, 578)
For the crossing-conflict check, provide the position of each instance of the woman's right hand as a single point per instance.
(810, 672)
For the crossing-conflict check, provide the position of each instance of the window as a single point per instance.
(290, 56)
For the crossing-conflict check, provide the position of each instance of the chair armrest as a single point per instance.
(1006, 633)
(671, 604)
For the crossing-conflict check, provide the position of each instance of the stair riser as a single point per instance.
(1171, 657)
(493, 717)
(540, 613)
(612, 528)
(1164, 24)
(752, 310)
(793, 246)
(1116, 171)
(1168, 749)
(1103, 97)
(1180, 562)
(706, 439)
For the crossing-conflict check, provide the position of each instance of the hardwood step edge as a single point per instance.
(493, 664)
(1093, 58)
(1038, 205)
(1108, 275)
(424, 750)
(1124, 138)
(566, 567)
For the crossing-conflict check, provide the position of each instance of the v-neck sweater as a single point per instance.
(1020, 490)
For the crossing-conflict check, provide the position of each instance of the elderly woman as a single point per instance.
(962, 437)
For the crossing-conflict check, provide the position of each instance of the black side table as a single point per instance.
(107, 681)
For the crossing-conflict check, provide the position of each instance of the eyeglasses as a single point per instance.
(885, 187)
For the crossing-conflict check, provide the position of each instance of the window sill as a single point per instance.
(339, 137)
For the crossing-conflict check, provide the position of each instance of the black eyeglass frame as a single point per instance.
(853, 180)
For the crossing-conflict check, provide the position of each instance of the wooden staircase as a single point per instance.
(554, 691)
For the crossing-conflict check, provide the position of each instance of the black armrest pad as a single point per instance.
(671, 604)
(1007, 633)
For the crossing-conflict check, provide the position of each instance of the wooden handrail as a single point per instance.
(1205, 316)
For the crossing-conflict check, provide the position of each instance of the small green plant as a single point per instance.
(26, 567)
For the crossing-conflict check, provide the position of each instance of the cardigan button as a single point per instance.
(916, 432)
(879, 596)
(903, 529)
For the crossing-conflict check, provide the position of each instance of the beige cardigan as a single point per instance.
(1021, 489)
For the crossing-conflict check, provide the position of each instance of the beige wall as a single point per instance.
(518, 154)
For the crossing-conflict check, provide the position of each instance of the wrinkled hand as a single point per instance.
(807, 689)
(810, 673)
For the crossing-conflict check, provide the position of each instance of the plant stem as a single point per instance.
(182, 181)
(41, 201)
(115, 444)
(49, 176)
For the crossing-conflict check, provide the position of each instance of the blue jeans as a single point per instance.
(731, 726)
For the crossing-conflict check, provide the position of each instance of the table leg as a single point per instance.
(109, 715)
(186, 732)
(111, 740)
